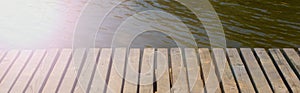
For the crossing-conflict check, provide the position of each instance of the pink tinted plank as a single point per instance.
(87, 71)
(41, 72)
(28, 71)
(14, 71)
(72, 71)
(57, 72)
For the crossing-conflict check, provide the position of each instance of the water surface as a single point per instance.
(247, 23)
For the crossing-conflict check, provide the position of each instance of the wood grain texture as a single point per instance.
(294, 58)
(113, 70)
(226, 75)
(209, 72)
(286, 70)
(256, 72)
(277, 84)
(240, 72)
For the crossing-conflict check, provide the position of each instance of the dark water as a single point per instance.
(247, 23)
(260, 23)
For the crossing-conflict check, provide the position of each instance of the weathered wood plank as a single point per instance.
(70, 76)
(194, 71)
(227, 78)
(162, 71)
(276, 82)
(50, 72)
(147, 71)
(99, 81)
(286, 70)
(14, 71)
(116, 71)
(8, 60)
(179, 78)
(258, 76)
(87, 71)
(37, 80)
(55, 76)
(240, 72)
(294, 58)
(209, 71)
(132, 71)
(28, 71)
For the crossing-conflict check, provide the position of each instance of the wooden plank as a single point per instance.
(162, 71)
(87, 71)
(2, 55)
(294, 58)
(99, 82)
(147, 71)
(14, 71)
(194, 71)
(57, 72)
(70, 76)
(179, 78)
(41, 72)
(240, 72)
(227, 78)
(258, 76)
(209, 73)
(276, 82)
(132, 71)
(28, 71)
(286, 70)
(116, 74)
(8, 60)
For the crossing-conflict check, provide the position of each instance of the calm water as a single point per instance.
(247, 23)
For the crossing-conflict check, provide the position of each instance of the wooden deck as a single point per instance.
(187, 70)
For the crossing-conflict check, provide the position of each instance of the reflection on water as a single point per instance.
(247, 23)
